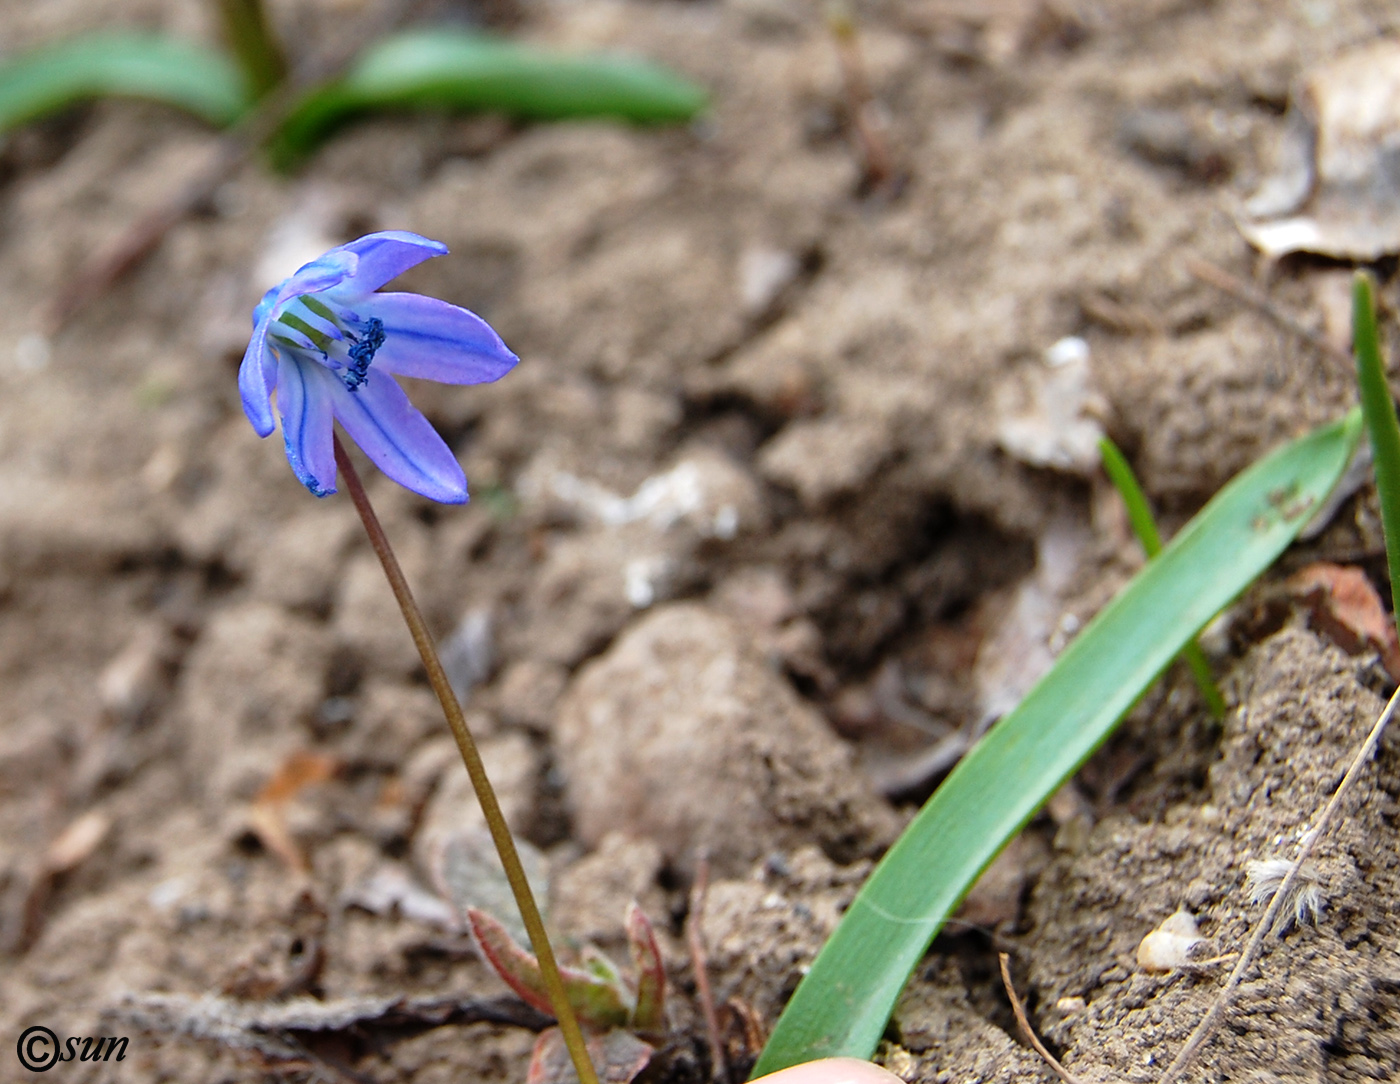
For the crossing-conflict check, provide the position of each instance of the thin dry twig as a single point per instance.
(866, 123)
(700, 965)
(235, 148)
(1211, 1022)
(1208, 273)
(1026, 1030)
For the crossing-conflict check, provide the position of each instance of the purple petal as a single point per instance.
(323, 273)
(428, 338)
(396, 436)
(387, 255)
(264, 306)
(304, 401)
(257, 376)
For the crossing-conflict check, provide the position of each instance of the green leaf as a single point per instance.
(189, 77)
(1381, 425)
(843, 1003)
(1120, 473)
(461, 71)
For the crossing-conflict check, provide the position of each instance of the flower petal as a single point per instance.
(396, 436)
(257, 376)
(304, 401)
(265, 305)
(428, 338)
(387, 255)
(323, 273)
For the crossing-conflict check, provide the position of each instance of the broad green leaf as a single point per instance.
(461, 71)
(197, 80)
(842, 1005)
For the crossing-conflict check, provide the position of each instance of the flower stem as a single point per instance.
(466, 745)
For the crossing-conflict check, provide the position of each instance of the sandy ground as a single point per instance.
(790, 485)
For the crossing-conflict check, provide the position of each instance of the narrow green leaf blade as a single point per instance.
(187, 76)
(462, 71)
(1381, 424)
(843, 1003)
(1144, 524)
(1120, 473)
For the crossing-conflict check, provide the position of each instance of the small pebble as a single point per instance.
(1169, 946)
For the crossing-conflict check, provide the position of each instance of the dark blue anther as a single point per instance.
(362, 351)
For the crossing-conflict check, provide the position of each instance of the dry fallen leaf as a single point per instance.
(267, 817)
(1059, 426)
(76, 843)
(1021, 645)
(294, 1031)
(1347, 609)
(70, 848)
(618, 1057)
(1337, 189)
(467, 872)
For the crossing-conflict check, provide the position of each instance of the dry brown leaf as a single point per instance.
(76, 843)
(70, 848)
(1347, 609)
(293, 1031)
(618, 1056)
(267, 817)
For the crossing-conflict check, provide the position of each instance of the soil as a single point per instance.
(783, 496)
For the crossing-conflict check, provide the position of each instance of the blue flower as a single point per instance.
(330, 346)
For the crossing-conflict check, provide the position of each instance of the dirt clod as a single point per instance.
(681, 732)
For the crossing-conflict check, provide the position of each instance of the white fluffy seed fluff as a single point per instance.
(1262, 878)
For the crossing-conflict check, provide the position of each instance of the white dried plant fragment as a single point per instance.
(1334, 192)
(1169, 946)
(1059, 427)
(1264, 876)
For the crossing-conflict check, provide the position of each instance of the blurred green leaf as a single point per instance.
(843, 1003)
(461, 71)
(189, 77)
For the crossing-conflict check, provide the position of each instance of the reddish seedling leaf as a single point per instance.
(618, 1056)
(1348, 610)
(599, 1003)
(517, 968)
(649, 1014)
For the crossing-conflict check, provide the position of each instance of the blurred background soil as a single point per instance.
(792, 490)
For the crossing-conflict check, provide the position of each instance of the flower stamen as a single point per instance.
(362, 351)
